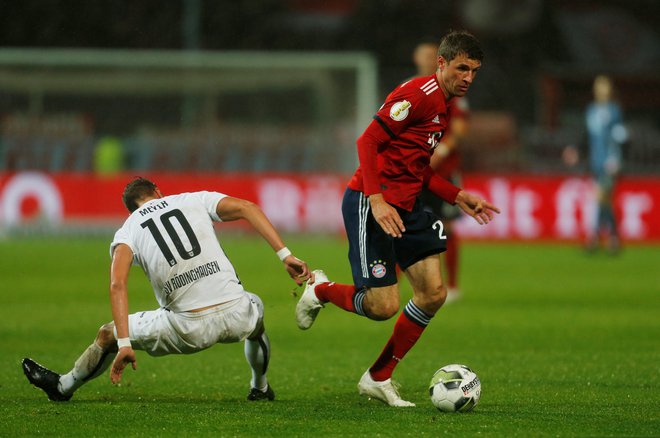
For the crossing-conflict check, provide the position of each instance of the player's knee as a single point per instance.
(383, 310)
(106, 336)
(434, 298)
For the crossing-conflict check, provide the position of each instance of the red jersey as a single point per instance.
(451, 164)
(414, 117)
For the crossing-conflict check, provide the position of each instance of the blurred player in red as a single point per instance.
(446, 162)
(385, 222)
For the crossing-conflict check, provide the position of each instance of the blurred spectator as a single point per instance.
(425, 57)
(108, 156)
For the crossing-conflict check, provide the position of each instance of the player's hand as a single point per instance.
(477, 207)
(125, 356)
(386, 216)
(297, 269)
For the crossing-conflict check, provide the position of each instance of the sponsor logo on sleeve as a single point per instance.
(400, 110)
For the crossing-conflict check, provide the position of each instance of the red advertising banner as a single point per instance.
(533, 207)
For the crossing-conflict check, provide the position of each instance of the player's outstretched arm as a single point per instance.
(477, 207)
(231, 209)
(122, 258)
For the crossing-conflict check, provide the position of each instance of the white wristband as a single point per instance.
(123, 342)
(283, 253)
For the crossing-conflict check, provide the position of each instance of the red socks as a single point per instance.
(341, 295)
(407, 330)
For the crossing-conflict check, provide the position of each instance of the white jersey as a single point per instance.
(173, 240)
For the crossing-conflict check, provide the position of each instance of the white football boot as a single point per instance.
(385, 391)
(309, 306)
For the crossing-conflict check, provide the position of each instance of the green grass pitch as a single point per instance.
(565, 345)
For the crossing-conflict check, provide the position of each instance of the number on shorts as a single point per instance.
(166, 220)
(438, 225)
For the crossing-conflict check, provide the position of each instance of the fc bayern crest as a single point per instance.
(378, 270)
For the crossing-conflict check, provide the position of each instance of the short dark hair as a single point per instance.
(458, 42)
(135, 190)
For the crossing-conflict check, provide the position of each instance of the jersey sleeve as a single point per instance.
(210, 201)
(404, 107)
(122, 236)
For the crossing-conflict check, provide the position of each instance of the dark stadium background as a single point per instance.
(263, 99)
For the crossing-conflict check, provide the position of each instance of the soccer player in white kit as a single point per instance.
(202, 302)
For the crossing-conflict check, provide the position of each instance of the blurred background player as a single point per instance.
(202, 301)
(446, 162)
(386, 223)
(605, 135)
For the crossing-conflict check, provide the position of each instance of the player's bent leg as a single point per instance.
(93, 362)
(257, 354)
(377, 303)
(429, 291)
(429, 295)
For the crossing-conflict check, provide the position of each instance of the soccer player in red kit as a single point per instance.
(386, 224)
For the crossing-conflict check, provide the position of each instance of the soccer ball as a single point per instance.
(455, 388)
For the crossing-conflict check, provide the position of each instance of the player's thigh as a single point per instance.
(258, 307)
(425, 277)
(371, 253)
(151, 331)
(228, 323)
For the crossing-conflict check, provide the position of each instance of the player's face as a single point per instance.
(456, 76)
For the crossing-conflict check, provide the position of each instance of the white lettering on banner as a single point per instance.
(525, 202)
(281, 201)
(30, 185)
(501, 196)
(517, 218)
(323, 204)
(634, 206)
(574, 197)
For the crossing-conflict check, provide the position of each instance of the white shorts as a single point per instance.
(160, 332)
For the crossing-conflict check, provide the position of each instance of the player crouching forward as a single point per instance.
(202, 302)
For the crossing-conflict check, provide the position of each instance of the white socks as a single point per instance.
(257, 353)
(92, 363)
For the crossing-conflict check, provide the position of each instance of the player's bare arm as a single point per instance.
(386, 215)
(122, 259)
(231, 209)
